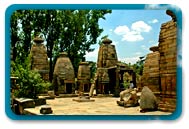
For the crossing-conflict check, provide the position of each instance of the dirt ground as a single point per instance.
(100, 106)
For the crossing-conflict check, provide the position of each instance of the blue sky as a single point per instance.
(133, 32)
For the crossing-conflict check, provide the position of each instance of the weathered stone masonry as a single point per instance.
(151, 76)
(168, 63)
(39, 58)
(164, 58)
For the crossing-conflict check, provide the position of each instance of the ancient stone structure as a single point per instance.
(107, 56)
(63, 76)
(151, 77)
(109, 76)
(83, 77)
(22, 103)
(168, 63)
(164, 58)
(39, 58)
(103, 81)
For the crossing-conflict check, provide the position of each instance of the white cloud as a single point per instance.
(131, 60)
(141, 26)
(92, 56)
(121, 30)
(160, 6)
(133, 34)
(153, 21)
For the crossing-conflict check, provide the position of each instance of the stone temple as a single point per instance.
(84, 77)
(63, 76)
(39, 58)
(109, 75)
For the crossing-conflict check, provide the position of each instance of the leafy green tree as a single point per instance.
(30, 82)
(72, 31)
(93, 68)
(138, 67)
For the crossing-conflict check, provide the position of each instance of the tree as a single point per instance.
(30, 82)
(72, 31)
(93, 68)
(138, 67)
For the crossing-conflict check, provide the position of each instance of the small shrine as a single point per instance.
(83, 77)
(63, 76)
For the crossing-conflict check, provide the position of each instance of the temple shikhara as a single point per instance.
(39, 58)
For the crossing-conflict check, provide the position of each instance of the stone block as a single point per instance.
(46, 109)
(23, 103)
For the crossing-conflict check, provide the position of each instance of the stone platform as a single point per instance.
(83, 99)
(101, 106)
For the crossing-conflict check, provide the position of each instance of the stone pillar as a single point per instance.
(117, 87)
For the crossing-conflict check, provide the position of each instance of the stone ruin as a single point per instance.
(164, 58)
(103, 81)
(83, 77)
(168, 63)
(151, 75)
(109, 75)
(39, 58)
(63, 76)
(107, 56)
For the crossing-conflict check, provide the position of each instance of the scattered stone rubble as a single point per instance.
(128, 98)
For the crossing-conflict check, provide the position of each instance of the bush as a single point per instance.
(30, 82)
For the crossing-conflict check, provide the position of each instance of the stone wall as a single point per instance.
(159, 72)
(151, 77)
(168, 63)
